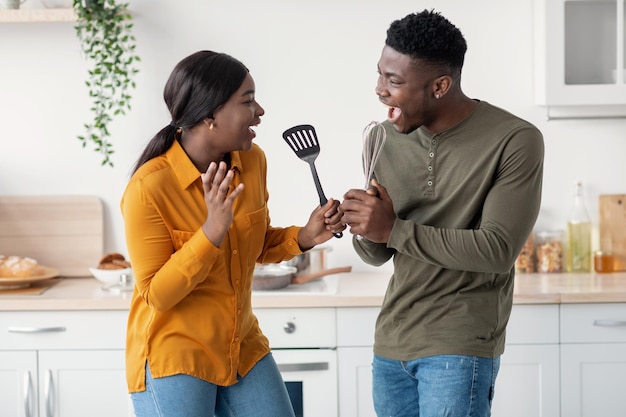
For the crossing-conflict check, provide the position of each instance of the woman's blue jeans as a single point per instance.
(261, 393)
(436, 386)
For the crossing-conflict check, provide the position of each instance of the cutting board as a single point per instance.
(62, 232)
(613, 227)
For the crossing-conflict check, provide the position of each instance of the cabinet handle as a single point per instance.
(23, 329)
(50, 395)
(28, 395)
(609, 323)
(297, 367)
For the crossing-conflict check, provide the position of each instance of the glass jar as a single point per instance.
(525, 262)
(603, 262)
(549, 250)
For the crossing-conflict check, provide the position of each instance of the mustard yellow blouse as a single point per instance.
(191, 308)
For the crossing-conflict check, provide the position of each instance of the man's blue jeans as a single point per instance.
(436, 386)
(261, 393)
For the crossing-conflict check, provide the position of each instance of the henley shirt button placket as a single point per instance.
(431, 154)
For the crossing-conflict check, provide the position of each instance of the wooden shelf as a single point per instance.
(37, 15)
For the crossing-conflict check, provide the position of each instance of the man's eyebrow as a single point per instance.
(387, 74)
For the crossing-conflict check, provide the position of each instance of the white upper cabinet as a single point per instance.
(580, 48)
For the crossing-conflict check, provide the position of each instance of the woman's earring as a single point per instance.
(437, 96)
(211, 126)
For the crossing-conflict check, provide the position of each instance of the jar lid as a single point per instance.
(549, 233)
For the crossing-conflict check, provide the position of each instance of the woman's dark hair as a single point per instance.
(428, 37)
(197, 86)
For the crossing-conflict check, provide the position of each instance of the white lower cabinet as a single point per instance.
(80, 383)
(18, 384)
(355, 338)
(528, 380)
(527, 385)
(593, 360)
(355, 382)
(63, 364)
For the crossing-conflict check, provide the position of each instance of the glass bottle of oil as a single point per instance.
(579, 234)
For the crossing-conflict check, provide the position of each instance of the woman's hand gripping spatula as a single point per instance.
(302, 139)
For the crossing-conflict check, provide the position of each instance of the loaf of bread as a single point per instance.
(19, 267)
(113, 261)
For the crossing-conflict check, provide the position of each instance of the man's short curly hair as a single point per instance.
(429, 37)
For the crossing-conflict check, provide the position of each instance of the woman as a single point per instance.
(196, 220)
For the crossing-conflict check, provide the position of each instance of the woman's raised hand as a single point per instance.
(219, 199)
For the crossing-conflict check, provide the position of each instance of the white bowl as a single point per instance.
(109, 276)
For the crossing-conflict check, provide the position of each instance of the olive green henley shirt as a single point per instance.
(466, 200)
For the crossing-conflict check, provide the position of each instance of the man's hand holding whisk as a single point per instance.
(369, 213)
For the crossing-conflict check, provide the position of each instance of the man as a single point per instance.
(456, 193)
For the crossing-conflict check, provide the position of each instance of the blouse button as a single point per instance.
(236, 338)
(430, 167)
(431, 154)
(235, 252)
(434, 141)
(430, 183)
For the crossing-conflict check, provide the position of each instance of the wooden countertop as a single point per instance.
(346, 290)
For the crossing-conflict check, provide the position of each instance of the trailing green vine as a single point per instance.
(104, 29)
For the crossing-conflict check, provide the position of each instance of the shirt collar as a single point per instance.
(185, 170)
(235, 160)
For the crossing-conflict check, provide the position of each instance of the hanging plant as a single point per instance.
(104, 28)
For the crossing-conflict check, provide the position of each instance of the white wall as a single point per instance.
(313, 62)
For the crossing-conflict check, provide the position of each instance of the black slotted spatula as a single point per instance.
(302, 139)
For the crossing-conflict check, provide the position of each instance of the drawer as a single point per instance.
(529, 324)
(533, 324)
(298, 327)
(63, 330)
(356, 325)
(591, 323)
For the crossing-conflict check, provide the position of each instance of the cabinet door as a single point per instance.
(593, 378)
(83, 383)
(18, 384)
(355, 381)
(355, 326)
(528, 382)
(580, 52)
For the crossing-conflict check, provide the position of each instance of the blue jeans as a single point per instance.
(436, 386)
(261, 393)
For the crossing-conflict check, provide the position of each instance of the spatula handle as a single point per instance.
(320, 192)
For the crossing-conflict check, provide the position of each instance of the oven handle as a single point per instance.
(299, 367)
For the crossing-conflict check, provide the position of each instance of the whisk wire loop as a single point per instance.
(374, 137)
